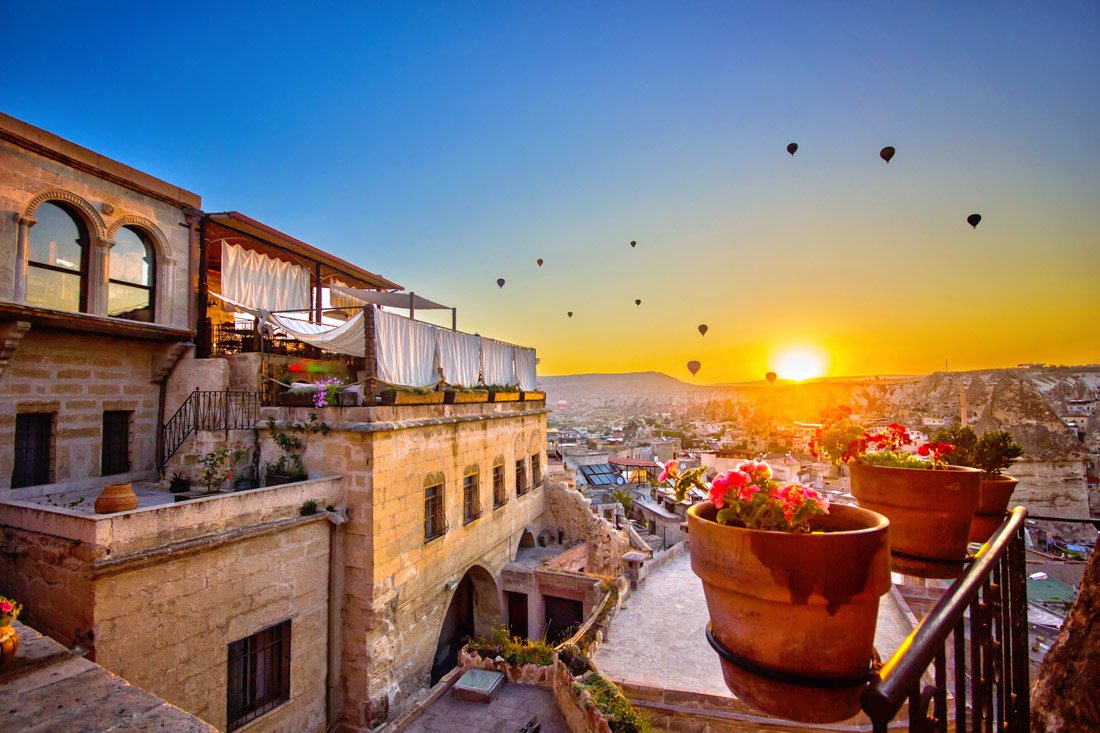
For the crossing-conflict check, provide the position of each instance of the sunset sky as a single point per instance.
(446, 145)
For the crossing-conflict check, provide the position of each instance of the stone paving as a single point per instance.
(508, 713)
(658, 638)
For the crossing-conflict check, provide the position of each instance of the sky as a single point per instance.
(447, 145)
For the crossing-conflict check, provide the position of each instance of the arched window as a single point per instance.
(57, 272)
(132, 272)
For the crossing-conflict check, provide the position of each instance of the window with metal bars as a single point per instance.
(259, 674)
(536, 470)
(500, 494)
(521, 477)
(33, 438)
(116, 442)
(471, 499)
(435, 523)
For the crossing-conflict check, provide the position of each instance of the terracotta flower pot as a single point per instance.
(116, 498)
(929, 510)
(992, 505)
(9, 644)
(796, 604)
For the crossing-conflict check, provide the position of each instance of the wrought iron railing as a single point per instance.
(209, 410)
(984, 666)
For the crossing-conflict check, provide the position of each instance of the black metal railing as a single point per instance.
(209, 410)
(984, 667)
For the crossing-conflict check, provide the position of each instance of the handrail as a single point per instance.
(209, 410)
(994, 591)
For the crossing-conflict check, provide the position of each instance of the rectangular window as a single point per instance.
(521, 477)
(471, 502)
(259, 674)
(435, 524)
(500, 496)
(536, 471)
(33, 433)
(116, 442)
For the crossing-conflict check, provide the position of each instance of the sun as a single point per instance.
(800, 363)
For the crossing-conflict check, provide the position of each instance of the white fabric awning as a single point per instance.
(258, 281)
(390, 300)
(347, 338)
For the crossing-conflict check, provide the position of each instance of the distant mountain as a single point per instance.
(573, 387)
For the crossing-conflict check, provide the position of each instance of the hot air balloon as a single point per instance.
(570, 314)
(633, 243)
(539, 261)
(562, 404)
(770, 376)
(703, 329)
(887, 153)
(500, 282)
(638, 301)
(694, 367)
(973, 220)
(792, 148)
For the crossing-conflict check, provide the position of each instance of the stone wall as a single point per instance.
(78, 378)
(168, 625)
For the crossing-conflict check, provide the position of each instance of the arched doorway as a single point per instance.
(473, 611)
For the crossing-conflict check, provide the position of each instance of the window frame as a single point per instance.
(471, 509)
(43, 434)
(536, 470)
(500, 488)
(85, 241)
(435, 517)
(151, 254)
(123, 417)
(521, 477)
(238, 713)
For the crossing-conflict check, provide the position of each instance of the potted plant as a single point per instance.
(179, 483)
(463, 395)
(330, 391)
(217, 468)
(792, 585)
(289, 467)
(503, 393)
(992, 453)
(411, 396)
(929, 503)
(9, 637)
(532, 396)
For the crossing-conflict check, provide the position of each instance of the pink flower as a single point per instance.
(6, 607)
(759, 470)
(671, 469)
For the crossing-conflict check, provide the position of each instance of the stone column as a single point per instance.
(98, 273)
(162, 295)
(22, 253)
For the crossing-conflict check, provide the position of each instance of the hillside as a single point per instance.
(573, 387)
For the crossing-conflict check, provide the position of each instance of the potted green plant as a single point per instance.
(532, 396)
(929, 503)
(9, 637)
(464, 395)
(179, 483)
(503, 393)
(217, 468)
(992, 453)
(792, 585)
(289, 467)
(411, 396)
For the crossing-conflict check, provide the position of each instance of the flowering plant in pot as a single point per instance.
(992, 453)
(929, 503)
(792, 586)
(9, 637)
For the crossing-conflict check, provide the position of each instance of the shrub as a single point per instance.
(622, 716)
(512, 649)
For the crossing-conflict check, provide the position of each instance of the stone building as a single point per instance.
(334, 599)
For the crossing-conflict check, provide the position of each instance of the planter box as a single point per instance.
(534, 396)
(275, 479)
(397, 397)
(463, 398)
(287, 399)
(504, 396)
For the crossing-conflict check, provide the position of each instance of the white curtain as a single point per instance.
(497, 362)
(347, 338)
(260, 282)
(459, 356)
(525, 369)
(406, 350)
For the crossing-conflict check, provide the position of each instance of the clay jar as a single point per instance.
(116, 498)
(992, 505)
(802, 604)
(930, 510)
(9, 644)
